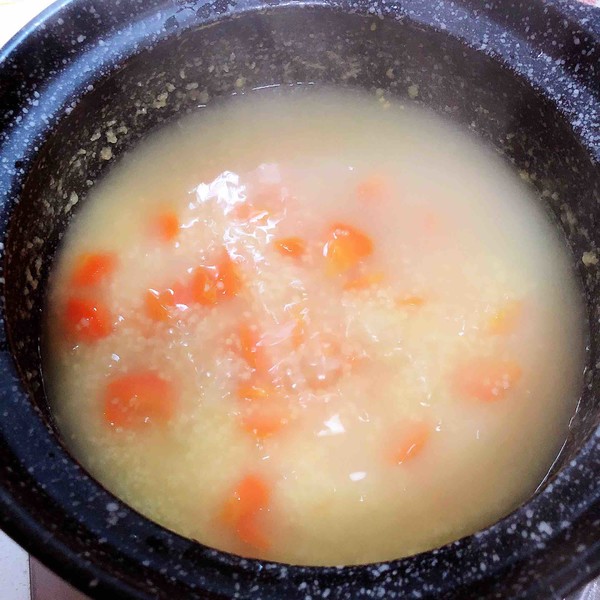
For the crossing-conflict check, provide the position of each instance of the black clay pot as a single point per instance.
(522, 75)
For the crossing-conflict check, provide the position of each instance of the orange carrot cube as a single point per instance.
(93, 268)
(137, 399)
(87, 320)
(346, 246)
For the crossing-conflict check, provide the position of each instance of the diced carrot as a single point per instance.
(203, 285)
(290, 246)
(250, 350)
(346, 246)
(251, 494)
(166, 225)
(157, 305)
(136, 399)
(250, 498)
(263, 423)
(486, 379)
(252, 534)
(409, 443)
(263, 410)
(229, 282)
(92, 268)
(178, 294)
(87, 320)
(364, 281)
(208, 285)
(211, 284)
(372, 189)
(410, 300)
(506, 319)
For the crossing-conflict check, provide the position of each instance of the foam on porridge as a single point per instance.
(302, 327)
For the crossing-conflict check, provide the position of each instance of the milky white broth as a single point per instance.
(397, 375)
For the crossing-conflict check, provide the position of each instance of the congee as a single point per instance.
(314, 327)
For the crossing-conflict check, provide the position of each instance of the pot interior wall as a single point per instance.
(201, 65)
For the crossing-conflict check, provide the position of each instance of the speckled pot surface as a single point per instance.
(86, 80)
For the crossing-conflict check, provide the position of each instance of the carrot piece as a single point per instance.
(263, 423)
(250, 495)
(240, 512)
(290, 246)
(364, 281)
(486, 379)
(178, 294)
(372, 189)
(410, 444)
(250, 350)
(506, 319)
(208, 285)
(203, 286)
(136, 399)
(157, 305)
(211, 284)
(87, 320)
(262, 413)
(415, 301)
(252, 534)
(92, 268)
(166, 225)
(346, 246)
(229, 282)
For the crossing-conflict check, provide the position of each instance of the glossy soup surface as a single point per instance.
(313, 328)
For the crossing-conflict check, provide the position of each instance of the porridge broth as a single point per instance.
(311, 328)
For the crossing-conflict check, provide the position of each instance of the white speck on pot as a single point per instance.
(589, 259)
(545, 528)
(73, 199)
